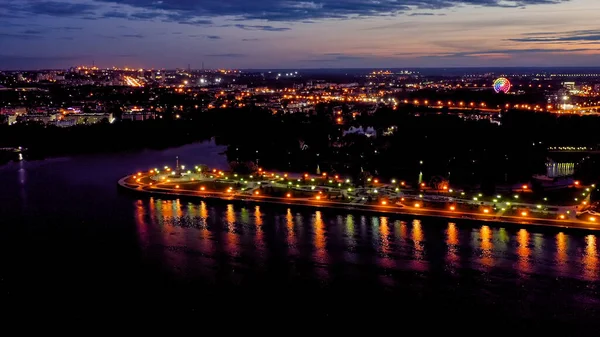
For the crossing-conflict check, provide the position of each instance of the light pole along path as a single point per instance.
(130, 183)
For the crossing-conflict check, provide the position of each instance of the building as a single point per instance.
(86, 118)
(368, 132)
(37, 117)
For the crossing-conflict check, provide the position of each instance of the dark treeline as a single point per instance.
(42, 140)
(468, 152)
(440, 146)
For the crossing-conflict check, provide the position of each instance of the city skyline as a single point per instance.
(301, 34)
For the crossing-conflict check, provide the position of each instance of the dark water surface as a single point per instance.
(71, 243)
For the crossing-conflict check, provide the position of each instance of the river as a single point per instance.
(70, 237)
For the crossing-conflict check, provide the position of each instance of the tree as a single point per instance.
(247, 167)
(364, 178)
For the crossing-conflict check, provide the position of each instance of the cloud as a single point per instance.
(144, 15)
(51, 8)
(68, 28)
(299, 11)
(592, 35)
(421, 14)
(7, 24)
(114, 14)
(32, 32)
(252, 39)
(200, 13)
(196, 22)
(19, 36)
(231, 55)
(335, 57)
(258, 27)
(211, 37)
(508, 52)
(136, 36)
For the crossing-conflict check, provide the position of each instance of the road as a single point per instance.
(129, 183)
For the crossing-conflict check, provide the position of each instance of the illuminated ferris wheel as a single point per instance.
(502, 85)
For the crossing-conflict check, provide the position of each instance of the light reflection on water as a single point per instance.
(590, 258)
(321, 254)
(452, 241)
(418, 260)
(523, 251)
(206, 233)
(231, 236)
(487, 246)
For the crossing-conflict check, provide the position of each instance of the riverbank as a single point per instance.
(128, 184)
(83, 139)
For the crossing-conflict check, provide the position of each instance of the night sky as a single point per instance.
(298, 34)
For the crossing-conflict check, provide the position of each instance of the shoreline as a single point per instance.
(374, 209)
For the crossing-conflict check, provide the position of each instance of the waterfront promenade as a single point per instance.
(135, 183)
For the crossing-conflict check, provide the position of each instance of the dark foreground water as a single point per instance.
(73, 245)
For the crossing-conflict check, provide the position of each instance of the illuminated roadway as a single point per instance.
(129, 183)
(132, 82)
(578, 110)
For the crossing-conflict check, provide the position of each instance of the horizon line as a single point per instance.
(329, 68)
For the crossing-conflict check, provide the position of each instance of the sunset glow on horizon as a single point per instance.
(299, 34)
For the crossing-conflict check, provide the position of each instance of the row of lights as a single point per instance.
(416, 205)
(523, 213)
